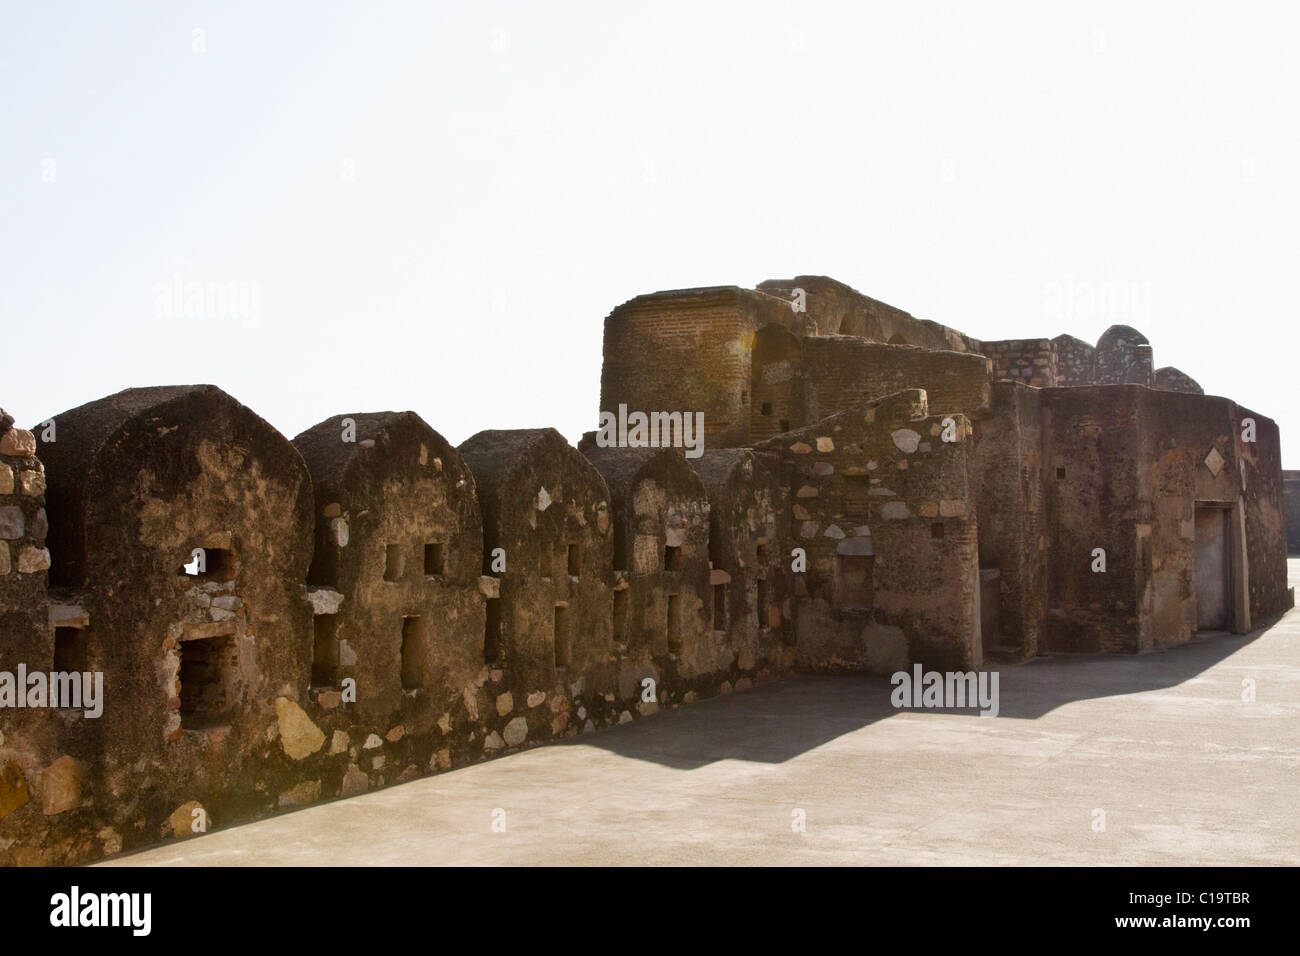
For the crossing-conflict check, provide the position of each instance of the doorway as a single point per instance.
(1213, 568)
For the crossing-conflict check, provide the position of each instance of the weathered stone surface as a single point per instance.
(372, 742)
(32, 560)
(12, 524)
(19, 443)
(300, 795)
(516, 732)
(61, 785)
(536, 698)
(184, 820)
(493, 742)
(6, 479)
(299, 736)
(13, 789)
(505, 703)
(354, 782)
(32, 483)
(339, 742)
(324, 600)
(906, 440)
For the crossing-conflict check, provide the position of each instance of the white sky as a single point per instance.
(438, 204)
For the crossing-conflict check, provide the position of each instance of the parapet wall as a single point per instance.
(841, 371)
(279, 623)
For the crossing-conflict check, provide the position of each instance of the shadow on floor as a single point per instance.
(779, 720)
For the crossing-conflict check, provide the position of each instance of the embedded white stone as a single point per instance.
(1214, 461)
(340, 528)
(906, 440)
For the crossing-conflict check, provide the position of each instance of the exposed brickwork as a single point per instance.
(842, 371)
(1028, 361)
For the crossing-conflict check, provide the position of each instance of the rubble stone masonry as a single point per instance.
(279, 623)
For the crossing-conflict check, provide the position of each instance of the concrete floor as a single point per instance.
(1184, 770)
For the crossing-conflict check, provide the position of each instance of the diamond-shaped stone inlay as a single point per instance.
(1214, 462)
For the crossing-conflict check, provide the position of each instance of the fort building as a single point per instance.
(277, 623)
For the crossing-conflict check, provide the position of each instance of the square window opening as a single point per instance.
(434, 559)
(71, 650)
(672, 557)
(857, 496)
(209, 680)
(211, 564)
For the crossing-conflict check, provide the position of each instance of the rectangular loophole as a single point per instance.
(853, 581)
(760, 603)
(1060, 473)
(492, 637)
(575, 561)
(766, 408)
(936, 529)
(674, 625)
(719, 607)
(392, 562)
(620, 616)
(672, 557)
(208, 676)
(857, 496)
(211, 564)
(71, 650)
(415, 653)
(434, 559)
(561, 637)
(785, 425)
(325, 651)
